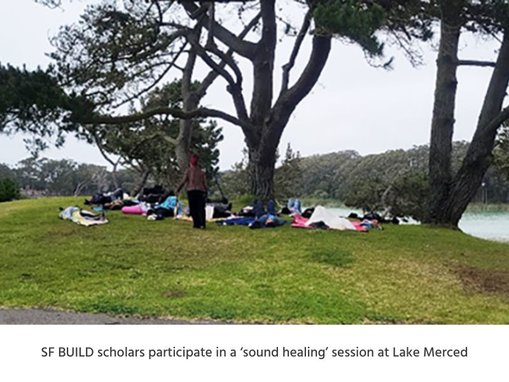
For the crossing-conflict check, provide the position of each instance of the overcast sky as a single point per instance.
(353, 107)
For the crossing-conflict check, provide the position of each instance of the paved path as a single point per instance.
(55, 317)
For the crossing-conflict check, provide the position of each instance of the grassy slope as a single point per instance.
(404, 274)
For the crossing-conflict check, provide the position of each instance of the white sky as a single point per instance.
(354, 106)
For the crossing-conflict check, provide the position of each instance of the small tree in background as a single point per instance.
(288, 176)
(409, 196)
(236, 180)
(149, 146)
(8, 190)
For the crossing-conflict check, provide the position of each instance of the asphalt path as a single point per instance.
(55, 317)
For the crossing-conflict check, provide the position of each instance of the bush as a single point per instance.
(409, 196)
(8, 190)
(406, 195)
(366, 194)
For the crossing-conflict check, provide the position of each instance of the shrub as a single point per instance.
(409, 196)
(8, 190)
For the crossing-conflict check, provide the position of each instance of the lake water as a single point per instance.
(486, 225)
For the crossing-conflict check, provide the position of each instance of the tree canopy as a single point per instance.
(115, 54)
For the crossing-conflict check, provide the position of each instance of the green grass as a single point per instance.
(403, 274)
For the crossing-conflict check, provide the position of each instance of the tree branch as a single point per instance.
(212, 64)
(295, 51)
(499, 119)
(192, 39)
(168, 139)
(290, 98)
(212, 75)
(159, 11)
(202, 112)
(476, 63)
(212, 20)
(234, 88)
(189, 101)
(228, 60)
(244, 48)
(263, 65)
(171, 65)
(101, 149)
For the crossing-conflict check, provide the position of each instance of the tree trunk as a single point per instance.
(264, 140)
(479, 155)
(262, 161)
(183, 144)
(450, 196)
(261, 171)
(190, 101)
(141, 183)
(79, 188)
(442, 125)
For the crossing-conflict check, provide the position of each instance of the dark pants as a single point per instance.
(162, 213)
(197, 207)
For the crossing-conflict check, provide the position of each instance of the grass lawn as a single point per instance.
(403, 274)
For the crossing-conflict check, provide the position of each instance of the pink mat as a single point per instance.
(299, 221)
(133, 210)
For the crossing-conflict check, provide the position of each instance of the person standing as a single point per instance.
(196, 186)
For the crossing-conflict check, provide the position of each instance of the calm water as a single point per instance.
(487, 225)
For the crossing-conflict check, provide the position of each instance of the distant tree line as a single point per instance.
(34, 177)
(37, 177)
(395, 181)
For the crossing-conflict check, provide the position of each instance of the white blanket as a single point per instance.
(322, 214)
